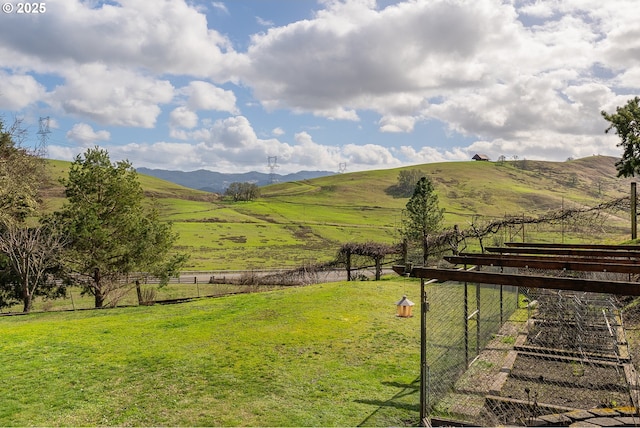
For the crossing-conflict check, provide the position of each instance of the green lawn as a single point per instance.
(319, 355)
(323, 355)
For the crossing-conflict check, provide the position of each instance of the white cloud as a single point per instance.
(352, 56)
(85, 136)
(220, 6)
(182, 117)
(18, 91)
(231, 145)
(233, 133)
(629, 78)
(368, 155)
(338, 113)
(170, 37)
(428, 154)
(554, 147)
(307, 152)
(264, 22)
(205, 96)
(397, 123)
(474, 66)
(514, 77)
(112, 96)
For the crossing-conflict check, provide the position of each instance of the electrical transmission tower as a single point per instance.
(43, 132)
(273, 165)
(342, 167)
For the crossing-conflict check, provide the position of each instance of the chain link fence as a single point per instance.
(462, 320)
(501, 355)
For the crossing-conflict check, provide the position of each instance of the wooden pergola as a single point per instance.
(552, 257)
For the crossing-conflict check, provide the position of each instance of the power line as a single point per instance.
(273, 165)
(43, 132)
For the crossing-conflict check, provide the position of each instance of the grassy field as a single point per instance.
(322, 355)
(307, 222)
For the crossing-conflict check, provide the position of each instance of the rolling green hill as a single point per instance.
(306, 222)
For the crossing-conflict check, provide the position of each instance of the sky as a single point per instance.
(233, 86)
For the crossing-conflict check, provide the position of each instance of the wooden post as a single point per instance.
(73, 305)
(139, 292)
(634, 218)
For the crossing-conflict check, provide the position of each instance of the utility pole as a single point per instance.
(43, 132)
(273, 165)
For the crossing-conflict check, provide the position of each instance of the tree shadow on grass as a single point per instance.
(405, 390)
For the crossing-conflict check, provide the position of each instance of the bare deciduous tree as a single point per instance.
(33, 257)
(20, 174)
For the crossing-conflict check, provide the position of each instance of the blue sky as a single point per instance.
(223, 85)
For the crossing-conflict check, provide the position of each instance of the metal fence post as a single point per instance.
(423, 354)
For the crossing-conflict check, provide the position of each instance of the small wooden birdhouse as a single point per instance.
(404, 307)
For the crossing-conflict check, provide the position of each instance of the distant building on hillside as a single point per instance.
(480, 157)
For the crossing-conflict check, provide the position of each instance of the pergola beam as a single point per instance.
(552, 257)
(552, 263)
(530, 281)
(569, 251)
(581, 246)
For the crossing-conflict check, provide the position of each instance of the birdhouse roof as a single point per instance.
(404, 302)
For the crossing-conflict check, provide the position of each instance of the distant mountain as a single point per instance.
(218, 182)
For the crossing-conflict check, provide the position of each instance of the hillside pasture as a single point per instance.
(306, 222)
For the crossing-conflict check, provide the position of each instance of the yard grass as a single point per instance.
(323, 355)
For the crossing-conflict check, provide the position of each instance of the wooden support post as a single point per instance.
(634, 214)
(139, 292)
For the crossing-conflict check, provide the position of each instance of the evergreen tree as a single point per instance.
(112, 233)
(626, 121)
(423, 216)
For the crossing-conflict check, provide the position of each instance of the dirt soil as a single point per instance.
(532, 383)
(566, 383)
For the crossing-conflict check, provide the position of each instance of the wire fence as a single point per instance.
(600, 226)
(507, 356)
(461, 321)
